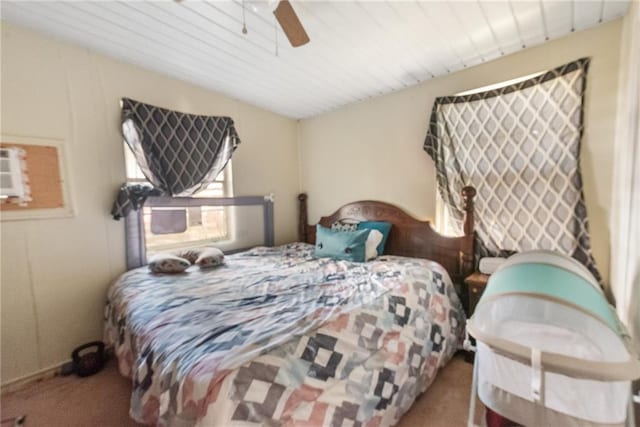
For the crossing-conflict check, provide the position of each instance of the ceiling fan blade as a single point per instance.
(290, 24)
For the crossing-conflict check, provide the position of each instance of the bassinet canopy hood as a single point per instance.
(519, 147)
(550, 349)
(179, 153)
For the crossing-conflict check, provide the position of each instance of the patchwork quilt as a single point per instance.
(277, 337)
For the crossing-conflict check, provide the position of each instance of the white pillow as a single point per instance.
(167, 263)
(374, 239)
(489, 265)
(210, 257)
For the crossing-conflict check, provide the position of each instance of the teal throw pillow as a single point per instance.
(381, 226)
(341, 245)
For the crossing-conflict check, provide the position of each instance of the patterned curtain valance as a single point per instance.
(178, 153)
(519, 147)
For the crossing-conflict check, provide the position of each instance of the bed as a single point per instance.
(278, 337)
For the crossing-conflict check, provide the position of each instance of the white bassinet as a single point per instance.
(550, 349)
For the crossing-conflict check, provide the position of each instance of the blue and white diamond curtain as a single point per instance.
(179, 153)
(519, 146)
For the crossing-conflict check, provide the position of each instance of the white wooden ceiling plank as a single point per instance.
(530, 21)
(558, 16)
(446, 49)
(614, 9)
(344, 50)
(344, 42)
(504, 26)
(587, 14)
(385, 38)
(469, 15)
(543, 17)
(485, 17)
(407, 31)
(428, 43)
(476, 55)
(516, 22)
(418, 32)
(449, 26)
(391, 32)
(358, 80)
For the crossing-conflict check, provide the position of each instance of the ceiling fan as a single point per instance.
(290, 24)
(288, 20)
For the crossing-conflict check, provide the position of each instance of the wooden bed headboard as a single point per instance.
(408, 236)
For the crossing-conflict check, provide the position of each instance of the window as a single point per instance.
(500, 84)
(443, 219)
(176, 228)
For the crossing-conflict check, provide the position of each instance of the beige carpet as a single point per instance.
(103, 400)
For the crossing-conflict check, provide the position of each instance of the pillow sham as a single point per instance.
(210, 257)
(168, 264)
(341, 245)
(371, 246)
(345, 225)
(382, 226)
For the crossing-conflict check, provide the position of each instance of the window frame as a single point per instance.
(135, 244)
(134, 175)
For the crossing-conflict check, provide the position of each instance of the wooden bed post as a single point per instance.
(468, 193)
(466, 261)
(302, 218)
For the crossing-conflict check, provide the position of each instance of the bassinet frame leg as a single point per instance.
(538, 386)
(631, 417)
(474, 393)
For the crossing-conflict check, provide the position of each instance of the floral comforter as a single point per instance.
(276, 337)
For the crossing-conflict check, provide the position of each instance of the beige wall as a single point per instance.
(373, 150)
(625, 236)
(55, 272)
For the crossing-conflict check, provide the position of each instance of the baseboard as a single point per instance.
(21, 382)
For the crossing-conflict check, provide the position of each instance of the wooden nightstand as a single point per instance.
(476, 283)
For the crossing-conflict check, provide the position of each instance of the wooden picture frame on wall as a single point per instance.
(50, 187)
